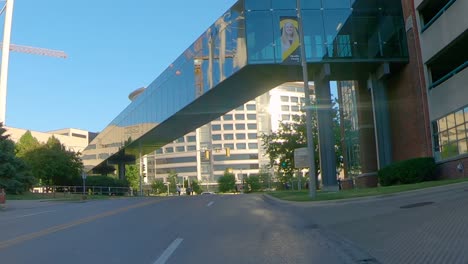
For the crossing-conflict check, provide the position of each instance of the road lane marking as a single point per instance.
(168, 252)
(54, 229)
(210, 204)
(38, 213)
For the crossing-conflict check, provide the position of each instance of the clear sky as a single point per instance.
(114, 47)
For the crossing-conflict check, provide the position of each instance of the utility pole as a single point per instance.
(308, 106)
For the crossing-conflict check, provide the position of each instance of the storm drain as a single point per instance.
(415, 205)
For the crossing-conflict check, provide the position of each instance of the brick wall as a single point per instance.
(407, 95)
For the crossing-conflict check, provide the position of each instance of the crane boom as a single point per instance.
(37, 51)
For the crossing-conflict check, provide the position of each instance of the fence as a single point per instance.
(89, 190)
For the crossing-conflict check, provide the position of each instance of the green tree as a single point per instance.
(26, 143)
(158, 187)
(227, 182)
(194, 185)
(53, 164)
(253, 183)
(172, 178)
(266, 178)
(15, 176)
(280, 145)
(132, 176)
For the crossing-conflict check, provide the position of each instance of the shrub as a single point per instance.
(408, 171)
(105, 181)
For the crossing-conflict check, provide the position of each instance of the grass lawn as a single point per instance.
(302, 196)
(56, 197)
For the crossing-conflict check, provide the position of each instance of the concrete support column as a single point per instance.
(378, 89)
(325, 129)
(367, 147)
(121, 167)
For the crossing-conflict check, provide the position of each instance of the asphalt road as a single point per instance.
(186, 229)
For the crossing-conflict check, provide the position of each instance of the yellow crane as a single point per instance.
(6, 47)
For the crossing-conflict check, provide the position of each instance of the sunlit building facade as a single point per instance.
(234, 140)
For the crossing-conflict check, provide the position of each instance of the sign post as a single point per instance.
(83, 176)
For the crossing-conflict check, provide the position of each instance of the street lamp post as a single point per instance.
(308, 107)
(83, 176)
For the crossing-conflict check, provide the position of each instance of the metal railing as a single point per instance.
(449, 75)
(439, 14)
(89, 190)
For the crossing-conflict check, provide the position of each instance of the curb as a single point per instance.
(435, 189)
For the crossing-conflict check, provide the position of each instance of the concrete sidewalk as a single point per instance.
(423, 226)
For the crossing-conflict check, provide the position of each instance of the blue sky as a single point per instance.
(114, 47)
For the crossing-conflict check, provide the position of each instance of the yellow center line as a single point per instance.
(53, 229)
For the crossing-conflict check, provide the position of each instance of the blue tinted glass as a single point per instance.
(337, 32)
(313, 34)
(259, 37)
(311, 4)
(336, 4)
(283, 4)
(257, 4)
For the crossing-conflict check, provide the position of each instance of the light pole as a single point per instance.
(308, 107)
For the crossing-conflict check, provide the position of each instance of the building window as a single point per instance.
(169, 150)
(180, 140)
(450, 135)
(241, 146)
(252, 136)
(251, 116)
(216, 137)
(228, 136)
(240, 108)
(191, 138)
(251, 107)
(251, 126)
(294, 99)
(285, 108)
(253, 146)
(240, 126)
(230, 145)
(285, 117)
(191, 148)
(228, 127)
(227, 117)
(284, 98)
(240, 117)
(294, 108)
(240, 136)
(180, 149)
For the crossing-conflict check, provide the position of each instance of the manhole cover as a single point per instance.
(415, 205)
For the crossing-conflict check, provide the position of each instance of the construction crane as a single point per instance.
(6, 47)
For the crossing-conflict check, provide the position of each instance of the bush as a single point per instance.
(408, 171)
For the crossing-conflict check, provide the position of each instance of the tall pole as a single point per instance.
(308, 107)
(140, 171)
(5, 57)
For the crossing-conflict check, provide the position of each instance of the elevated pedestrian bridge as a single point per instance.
(245, 53)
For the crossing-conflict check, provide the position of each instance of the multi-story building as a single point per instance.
(231, 142)
(443, 36)
(73, 139)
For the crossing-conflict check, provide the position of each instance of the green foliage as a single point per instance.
(132, 175)
(227, 182)
(194, 185)
(253, 183)
(26, 144)
(158, 187)
(15, 176)
(266, 179)
(53, 164)
(280, 145)
(172, 178)
(105, 181)
(408, 171)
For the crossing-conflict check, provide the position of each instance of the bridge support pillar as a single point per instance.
(325, 129)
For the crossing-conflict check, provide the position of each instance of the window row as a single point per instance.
(451, 134)
(250, 126)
